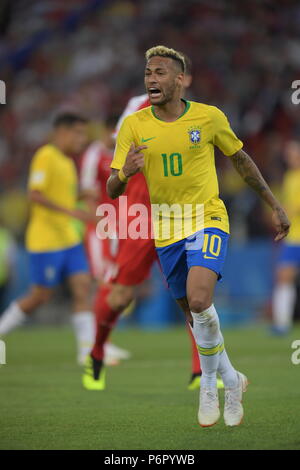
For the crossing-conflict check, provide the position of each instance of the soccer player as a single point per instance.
(284, 295)
(178, 164)
(108, 305)
(54, 246)
(133, 261)
(94, 173)
(135, 104)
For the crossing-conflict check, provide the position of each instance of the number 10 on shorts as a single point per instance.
(212, 244)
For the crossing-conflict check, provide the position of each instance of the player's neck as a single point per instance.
(58, 144)
(170, 111)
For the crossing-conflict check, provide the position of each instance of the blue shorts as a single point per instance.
(206, 248)
(289, 254)
(49, 268)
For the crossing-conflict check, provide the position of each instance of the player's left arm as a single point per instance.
(248, 170)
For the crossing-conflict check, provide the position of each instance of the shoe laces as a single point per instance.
(208, 398)
(232, 399)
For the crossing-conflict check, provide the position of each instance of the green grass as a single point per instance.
(146, 404)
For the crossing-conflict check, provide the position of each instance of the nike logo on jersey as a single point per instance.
(209, 257)
(146, 140)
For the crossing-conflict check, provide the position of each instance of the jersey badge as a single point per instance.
(195, 135)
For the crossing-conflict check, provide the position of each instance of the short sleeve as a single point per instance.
(223, 136)
(39, 171)
(125, 138)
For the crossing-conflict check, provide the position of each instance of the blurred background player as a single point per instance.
(94, 172)
(53, 244)
(133, 262)
(284, 295)
(7, 258)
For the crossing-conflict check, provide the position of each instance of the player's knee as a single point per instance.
(40, 296)
(285, 276)
(81, 294)
(120, 297)
(81, 290)
(124, 301)
(199, 302)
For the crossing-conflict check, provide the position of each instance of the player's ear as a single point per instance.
(187, 81)
(180, 78)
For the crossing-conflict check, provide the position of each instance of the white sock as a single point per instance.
(11, 318)
(206, 330)
(226, 369)
(85, 331)
(284, 297)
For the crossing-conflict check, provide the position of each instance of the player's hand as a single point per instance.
(281, 223)
(134, 160)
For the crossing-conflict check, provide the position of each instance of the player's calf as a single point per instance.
(16, 313)
(37, 296)
(120, 297)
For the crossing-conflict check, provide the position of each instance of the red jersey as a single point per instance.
(134, 104)
(136, 191)
(95, 170)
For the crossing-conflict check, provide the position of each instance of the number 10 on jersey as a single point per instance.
(172, 164)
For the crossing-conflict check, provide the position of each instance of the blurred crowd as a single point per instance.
(88, 55)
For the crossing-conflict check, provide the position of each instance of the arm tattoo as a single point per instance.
(114, 186)
(255, 183)
(246, 167)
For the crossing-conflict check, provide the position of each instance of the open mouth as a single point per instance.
(154, 92)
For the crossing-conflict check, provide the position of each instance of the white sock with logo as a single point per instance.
(85, 331)
(206, 330)
(284, 297)
(11, 318)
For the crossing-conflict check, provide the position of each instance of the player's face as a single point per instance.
(75, 138)
(163, 80)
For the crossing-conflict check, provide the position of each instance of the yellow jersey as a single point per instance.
(291, 203)
(179, 167)
(54, 175)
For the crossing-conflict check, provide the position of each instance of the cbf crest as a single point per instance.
(195, 135)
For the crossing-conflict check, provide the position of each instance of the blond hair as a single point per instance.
(163, 51)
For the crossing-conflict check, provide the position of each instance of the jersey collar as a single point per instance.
(187, 107)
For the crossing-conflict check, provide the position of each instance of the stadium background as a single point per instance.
(89, 56)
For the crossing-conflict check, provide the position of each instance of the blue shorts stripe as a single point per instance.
(289, 254)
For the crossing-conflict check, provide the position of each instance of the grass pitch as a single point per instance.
(146, 404)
